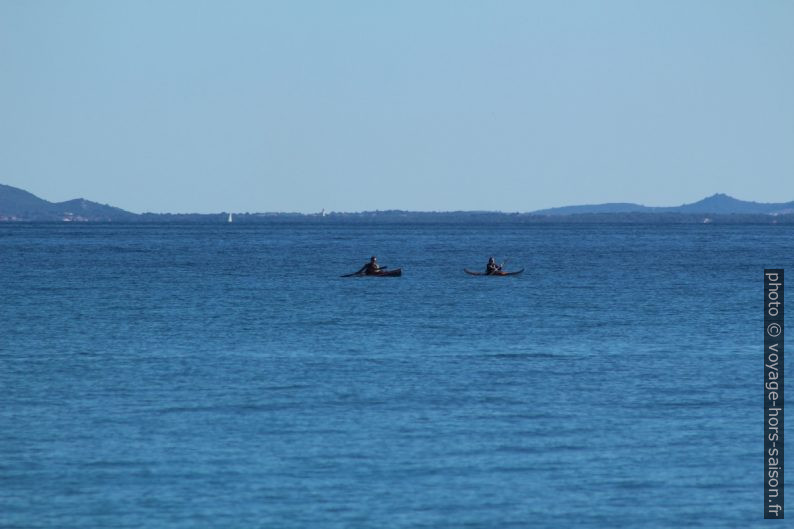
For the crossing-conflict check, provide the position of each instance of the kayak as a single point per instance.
(494, 274)
(397, 272)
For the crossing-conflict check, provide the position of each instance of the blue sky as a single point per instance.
(193, 106)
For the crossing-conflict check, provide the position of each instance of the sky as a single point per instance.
(208, 106)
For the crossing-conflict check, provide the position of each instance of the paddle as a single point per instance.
(361, 272)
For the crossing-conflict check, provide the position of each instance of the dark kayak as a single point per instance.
(494, 274)
(397, 272)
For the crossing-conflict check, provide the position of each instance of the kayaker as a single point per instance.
(372, 267)
(492, 267)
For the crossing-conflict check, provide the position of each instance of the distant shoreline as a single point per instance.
(18, 205)
(385, 218)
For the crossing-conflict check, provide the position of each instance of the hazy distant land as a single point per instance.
(18, 205)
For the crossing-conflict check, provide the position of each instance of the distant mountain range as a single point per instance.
(19, 205)
(715, 204)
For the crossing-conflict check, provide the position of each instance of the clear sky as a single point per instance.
(196, 106)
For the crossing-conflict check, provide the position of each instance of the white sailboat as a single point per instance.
(230, 217)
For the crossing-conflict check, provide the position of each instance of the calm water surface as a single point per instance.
(226, 376)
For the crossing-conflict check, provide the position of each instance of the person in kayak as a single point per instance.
(371, 268)
(492, 268)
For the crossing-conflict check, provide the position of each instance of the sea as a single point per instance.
(226, 376)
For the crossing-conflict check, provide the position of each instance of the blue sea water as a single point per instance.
(225, 376)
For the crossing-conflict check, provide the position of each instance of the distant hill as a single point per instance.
(721, 203)
(715, 204)
(614, 207)
(93, 210)
(18, 204)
